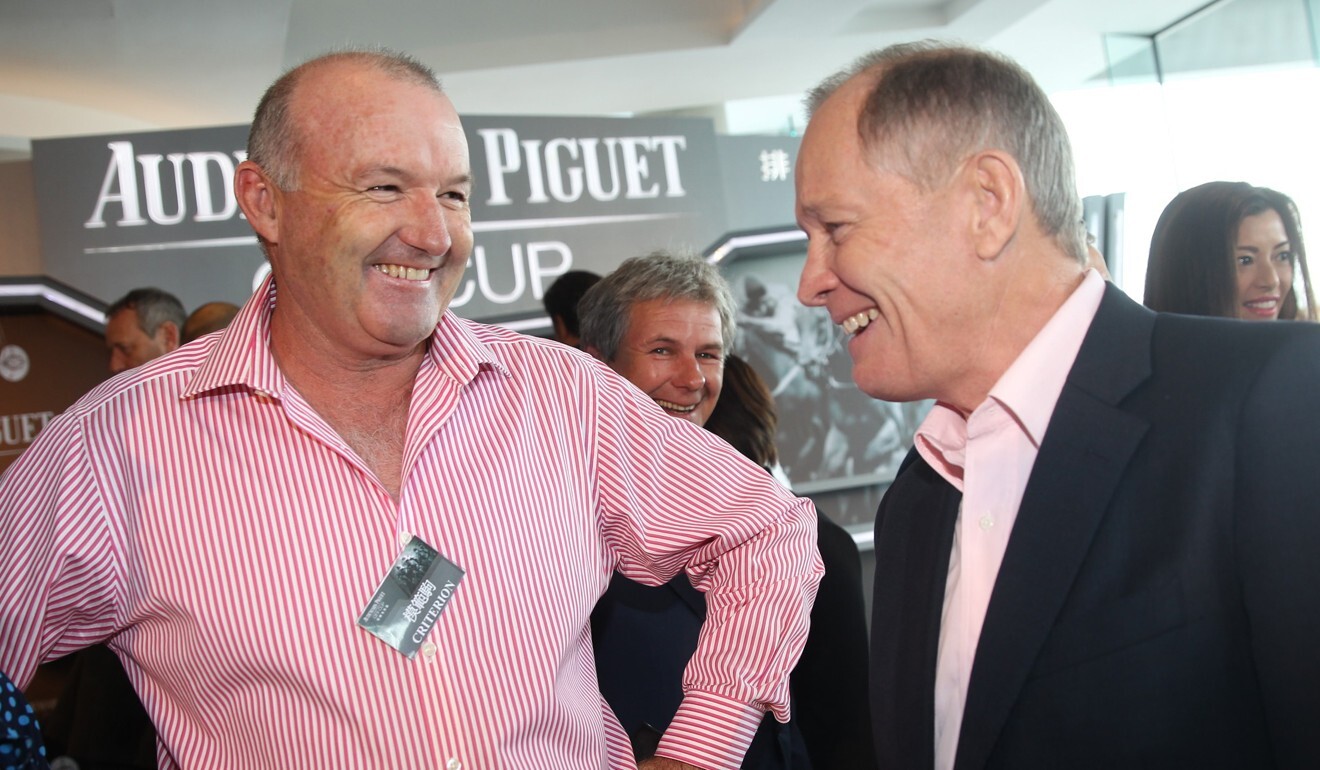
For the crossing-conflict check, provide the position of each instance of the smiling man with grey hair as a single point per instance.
(664, 322)
(1101, 552)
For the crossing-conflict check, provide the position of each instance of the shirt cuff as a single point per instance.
(710, 731)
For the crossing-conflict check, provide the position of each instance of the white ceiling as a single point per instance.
(72, 67)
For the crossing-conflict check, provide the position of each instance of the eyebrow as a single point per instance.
(395, 171)
(671, 341)
(1253, 249)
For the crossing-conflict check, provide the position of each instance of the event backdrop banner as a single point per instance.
(758, 179)
(550, 194)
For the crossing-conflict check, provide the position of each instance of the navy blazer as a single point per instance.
(1159, 601)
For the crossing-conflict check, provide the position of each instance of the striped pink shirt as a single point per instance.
(202, 517)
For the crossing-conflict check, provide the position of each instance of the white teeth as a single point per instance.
(407, 273)
(672, 407)
(855, 323)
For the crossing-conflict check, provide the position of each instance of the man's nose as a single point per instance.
(816, 280)
(689, 375)
(428, 226)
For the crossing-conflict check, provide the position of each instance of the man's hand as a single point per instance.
(664, 763)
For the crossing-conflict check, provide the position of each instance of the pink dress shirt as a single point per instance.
(988, 456)
(199, 515)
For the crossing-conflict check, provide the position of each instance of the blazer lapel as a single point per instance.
(1080, 464)
(913, 535)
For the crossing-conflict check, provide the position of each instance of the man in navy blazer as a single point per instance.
(1103, 550)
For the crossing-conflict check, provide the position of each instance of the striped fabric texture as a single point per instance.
(200, 516)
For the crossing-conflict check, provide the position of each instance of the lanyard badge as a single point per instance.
(410, 599)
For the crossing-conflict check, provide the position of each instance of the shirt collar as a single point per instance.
(242, 358)
(1031, 387)
(1028, 390)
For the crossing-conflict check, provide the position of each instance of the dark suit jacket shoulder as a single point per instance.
(1159, 600)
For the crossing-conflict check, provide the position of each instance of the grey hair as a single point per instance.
(604, 310)
(932, 105)
(153, 306)
(273, 140)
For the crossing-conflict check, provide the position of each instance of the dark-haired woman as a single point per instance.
(1233, 250)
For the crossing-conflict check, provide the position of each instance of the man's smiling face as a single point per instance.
(674, 352)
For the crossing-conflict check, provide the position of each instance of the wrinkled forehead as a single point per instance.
(342, 106)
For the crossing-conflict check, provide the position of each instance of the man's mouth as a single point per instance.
(406, 273)
(670, 406)
(855, 323)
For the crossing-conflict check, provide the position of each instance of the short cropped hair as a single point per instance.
(932, 105)
(273, 140)
(1192, 269)
(606, 307)
(153, 307)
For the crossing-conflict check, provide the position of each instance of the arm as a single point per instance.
(672, 496)
(59, 576)
(660, 763)
(1278, 537)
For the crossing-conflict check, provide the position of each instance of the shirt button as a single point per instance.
(404, 538)
(428, 652)
(987, 521)
(453, 764)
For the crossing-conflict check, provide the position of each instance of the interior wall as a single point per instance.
(20, 244)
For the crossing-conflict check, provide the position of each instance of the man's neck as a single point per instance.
(1029, 298)
(364, 400)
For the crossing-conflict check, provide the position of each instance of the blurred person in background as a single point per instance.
(142, 325)
(1231, 250)
(561, 303)
(211, 317)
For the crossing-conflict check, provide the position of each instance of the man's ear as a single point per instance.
(561, 328)
(169, 335)
(256, 195)
(999, 193)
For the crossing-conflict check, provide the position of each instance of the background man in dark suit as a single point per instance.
(1102, 552)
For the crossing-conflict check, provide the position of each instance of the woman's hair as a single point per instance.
(745, 413)
(1191, 268)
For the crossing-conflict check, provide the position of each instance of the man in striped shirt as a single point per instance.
(222, 515)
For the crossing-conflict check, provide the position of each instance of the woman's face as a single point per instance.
(1263, 258)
